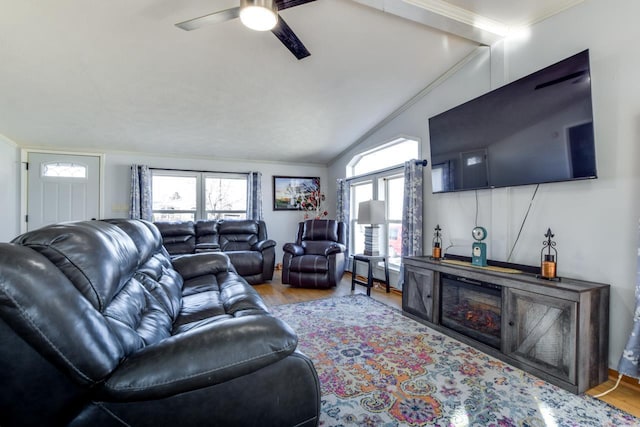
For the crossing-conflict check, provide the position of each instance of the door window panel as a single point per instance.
(64, 170)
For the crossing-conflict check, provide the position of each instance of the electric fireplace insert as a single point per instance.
(472, 308)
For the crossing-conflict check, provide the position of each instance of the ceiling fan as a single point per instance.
(260, 15)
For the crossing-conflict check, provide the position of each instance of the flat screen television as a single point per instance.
(534, 130)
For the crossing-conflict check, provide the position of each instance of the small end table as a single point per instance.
(370, 260)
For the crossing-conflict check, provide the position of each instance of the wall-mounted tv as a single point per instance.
(534, 130)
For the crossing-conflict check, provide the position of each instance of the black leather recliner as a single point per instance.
(246, 242)
(317, 258)
(100, 327)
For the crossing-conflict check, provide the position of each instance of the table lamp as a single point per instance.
(371, 212)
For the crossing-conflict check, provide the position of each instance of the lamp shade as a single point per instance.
(371, 212)
(259, 15)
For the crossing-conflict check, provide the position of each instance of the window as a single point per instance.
(391, 154)
(63, 170)
(360, 192)
(378, 174)
(190, 196)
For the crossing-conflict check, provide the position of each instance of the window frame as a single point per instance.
(223, 212)
(357, 158)
(379, 180)
(201, 212)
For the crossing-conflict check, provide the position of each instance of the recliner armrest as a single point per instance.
(292, 248)
(335, 248)
(208, 355)
(263, 244)
(194, 265)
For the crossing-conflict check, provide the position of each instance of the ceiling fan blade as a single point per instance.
(288, 38)
(212, 18)
(285, 4)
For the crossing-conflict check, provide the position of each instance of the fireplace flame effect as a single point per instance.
(479, 317)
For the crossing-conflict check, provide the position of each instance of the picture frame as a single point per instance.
(288, 190)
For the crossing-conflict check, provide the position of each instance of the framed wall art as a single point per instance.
(290, 191)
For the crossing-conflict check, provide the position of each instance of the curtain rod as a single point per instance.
(422, 162)
(197, 171)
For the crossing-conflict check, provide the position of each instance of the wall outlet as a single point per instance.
(119, 208)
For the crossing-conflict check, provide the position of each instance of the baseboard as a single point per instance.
(628, 381)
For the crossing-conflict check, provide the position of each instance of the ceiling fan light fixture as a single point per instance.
(259, 15)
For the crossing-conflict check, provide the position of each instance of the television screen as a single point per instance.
(534, 130)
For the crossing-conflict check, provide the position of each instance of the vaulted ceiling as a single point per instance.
(93, 75)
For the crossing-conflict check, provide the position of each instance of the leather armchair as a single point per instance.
(317, 258)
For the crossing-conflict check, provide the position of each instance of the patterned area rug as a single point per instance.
(380, 368)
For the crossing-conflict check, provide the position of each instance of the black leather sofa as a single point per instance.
(245, 242)
(100, 327)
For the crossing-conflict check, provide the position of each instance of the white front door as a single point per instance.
(62, 187)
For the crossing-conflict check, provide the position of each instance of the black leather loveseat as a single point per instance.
(99, 327)
(245, 242)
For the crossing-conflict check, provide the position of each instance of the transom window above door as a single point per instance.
(388, 155)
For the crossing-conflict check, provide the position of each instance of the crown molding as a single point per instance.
(548, 13)
(461, 15)
(442, 16)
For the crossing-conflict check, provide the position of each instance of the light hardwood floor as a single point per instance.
(625, 397)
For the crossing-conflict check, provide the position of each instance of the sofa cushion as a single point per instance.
(310, 264)
(320, 230)
(316, 247)
(178, 237)
(155, 271)
(39, 302)
(238, 227)
(206, 231)
(237, 235)
(98, 264)
(246, 262)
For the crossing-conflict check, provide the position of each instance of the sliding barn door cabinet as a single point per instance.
(556, 330)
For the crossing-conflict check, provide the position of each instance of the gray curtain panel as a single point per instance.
(411, 213)
(343, 208)
(140, 193)
(255, 196)
(630, 360)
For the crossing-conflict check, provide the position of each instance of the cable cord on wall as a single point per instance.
(524, 220)
(604, 393)
(476, 223)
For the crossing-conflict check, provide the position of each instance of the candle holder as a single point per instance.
(548, 260)
(436, 243)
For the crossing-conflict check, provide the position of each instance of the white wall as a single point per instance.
(595, 221)
(281, 225)
(9, 190)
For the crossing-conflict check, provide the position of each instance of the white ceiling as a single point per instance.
(95, 75)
